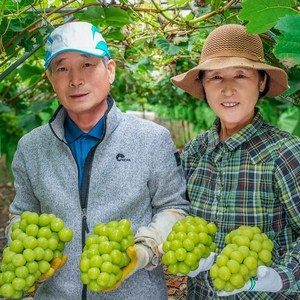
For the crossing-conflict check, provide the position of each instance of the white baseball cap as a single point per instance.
(76, 36)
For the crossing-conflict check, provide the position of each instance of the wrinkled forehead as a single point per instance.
(72, 57)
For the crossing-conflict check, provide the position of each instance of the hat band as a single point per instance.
(249, 56)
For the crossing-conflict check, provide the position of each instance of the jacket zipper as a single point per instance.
(84, 192)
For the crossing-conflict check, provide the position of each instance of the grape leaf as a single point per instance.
(288, 43)
(263, 15)
(166, 46)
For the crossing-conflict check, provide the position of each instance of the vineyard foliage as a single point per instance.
(151, 41)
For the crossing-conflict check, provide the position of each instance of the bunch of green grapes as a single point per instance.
(191, 239)
(104, 254)
(246, 249)
(37, 242)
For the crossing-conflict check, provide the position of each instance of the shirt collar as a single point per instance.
(73, 132)
(237, 139)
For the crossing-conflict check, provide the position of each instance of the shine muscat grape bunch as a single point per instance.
(191, 239)
(34, 254)
(246, 249)
(104, 254)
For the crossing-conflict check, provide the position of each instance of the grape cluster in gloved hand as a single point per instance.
(139, 258)
(55, 265)
(189, 248)
(204, 264)
(34, 252)
(267, 280)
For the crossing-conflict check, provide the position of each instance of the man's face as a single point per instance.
(81, 82)
(232, 93)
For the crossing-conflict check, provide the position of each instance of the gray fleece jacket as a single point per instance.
(133, 174)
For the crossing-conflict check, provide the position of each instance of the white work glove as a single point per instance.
(139, 259)
(156, 233)
(268, 280)
(204, 263)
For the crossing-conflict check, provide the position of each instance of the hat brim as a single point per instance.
(190, 82)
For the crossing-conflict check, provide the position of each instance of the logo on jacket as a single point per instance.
(121, 157)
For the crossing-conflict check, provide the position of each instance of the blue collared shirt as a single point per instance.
(81, 142)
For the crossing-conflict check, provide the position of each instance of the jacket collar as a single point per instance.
(111, 117)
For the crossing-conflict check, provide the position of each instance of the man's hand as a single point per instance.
(268, 280)
(139, 258)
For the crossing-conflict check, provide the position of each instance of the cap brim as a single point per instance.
(190, 82)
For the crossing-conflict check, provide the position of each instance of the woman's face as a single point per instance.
(232, 93)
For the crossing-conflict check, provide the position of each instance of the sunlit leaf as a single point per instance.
(263, 15)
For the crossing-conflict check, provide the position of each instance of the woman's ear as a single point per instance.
(262, 83)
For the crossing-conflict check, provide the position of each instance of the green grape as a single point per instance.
(104, 255)
(246, 249)
(190, 240)
(31, 252)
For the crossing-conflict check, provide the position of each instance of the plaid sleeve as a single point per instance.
(288, 188)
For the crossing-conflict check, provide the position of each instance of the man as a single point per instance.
(93, 164)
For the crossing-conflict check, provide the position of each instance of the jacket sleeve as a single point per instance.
(288, 188)
(167, 189)
(24, 199)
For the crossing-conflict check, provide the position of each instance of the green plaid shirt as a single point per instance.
(252, 178)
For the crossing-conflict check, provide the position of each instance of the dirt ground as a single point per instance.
(176, 285)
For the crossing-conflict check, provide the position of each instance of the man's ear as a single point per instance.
(49, 76)
(111, 68)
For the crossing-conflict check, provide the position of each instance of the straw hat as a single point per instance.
(75, 36)
(231, 46)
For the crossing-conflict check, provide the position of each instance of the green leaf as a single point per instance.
(93, 15)
(115, 35)
(288, 43)
(263, 15)
(289, 120)
(27, 71)
(116, 17)
(177, 2)
(88, 1)
(15, 5)
(5, 108)
(167, 47)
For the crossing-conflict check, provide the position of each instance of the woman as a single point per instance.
(243, 171)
